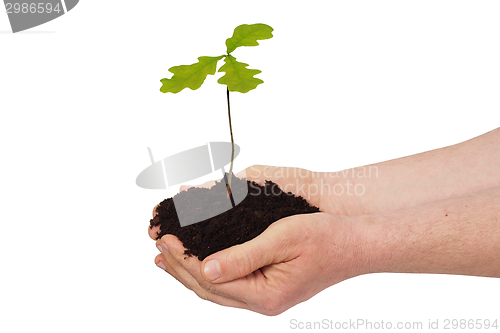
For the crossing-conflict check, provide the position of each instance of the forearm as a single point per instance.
(443, 173)
(454, 236)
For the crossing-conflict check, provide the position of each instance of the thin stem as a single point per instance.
(232, 144)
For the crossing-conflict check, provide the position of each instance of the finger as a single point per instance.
(155, 210)
(173, 267)
(153, 232)
(234, 272)
(154, 225)
(187, 267)
(212, 297)
(249, 290)
(161, 261)
(185, 187)
(276, 244)
(182, 274)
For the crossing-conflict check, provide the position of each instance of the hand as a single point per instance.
(386, 228)
(283, 266)
(291, 261)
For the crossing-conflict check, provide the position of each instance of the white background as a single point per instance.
(347, 83)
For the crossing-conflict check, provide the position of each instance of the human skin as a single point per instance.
(460, 235)
(435, 212)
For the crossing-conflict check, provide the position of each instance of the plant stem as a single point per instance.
(232, 144)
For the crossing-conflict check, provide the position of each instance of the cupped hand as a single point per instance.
(291, 261)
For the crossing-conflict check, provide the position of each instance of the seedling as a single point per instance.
(237, 78)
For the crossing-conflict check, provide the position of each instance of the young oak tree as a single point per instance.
(237, 76)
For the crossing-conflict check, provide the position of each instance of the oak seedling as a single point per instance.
(237, 76)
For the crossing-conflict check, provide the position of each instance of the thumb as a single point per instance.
(274, 245)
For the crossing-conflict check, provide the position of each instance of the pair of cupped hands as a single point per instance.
(291, 261)
(434, 212)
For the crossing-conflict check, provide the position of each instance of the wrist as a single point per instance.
(365, 236)
(377, 234)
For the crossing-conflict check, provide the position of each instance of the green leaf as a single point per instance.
(190, 76)
(238, 77)
(247, 35)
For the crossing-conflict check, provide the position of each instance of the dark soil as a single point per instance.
(262, 206)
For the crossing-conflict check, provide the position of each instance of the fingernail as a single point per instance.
(161, 265)
(164, 246)
(212, 270)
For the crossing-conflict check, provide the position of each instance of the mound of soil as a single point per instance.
(261, 207)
